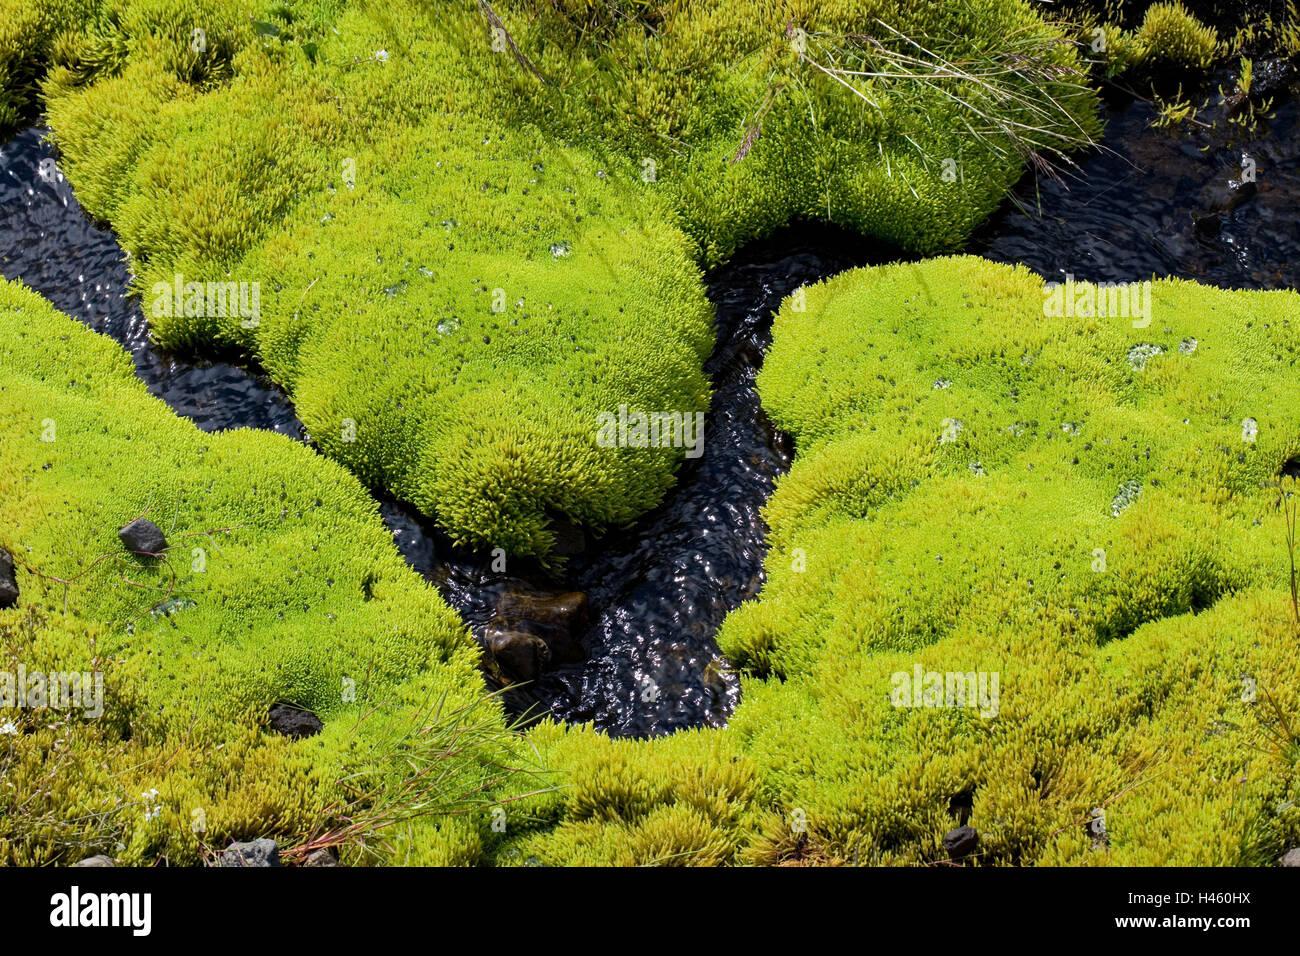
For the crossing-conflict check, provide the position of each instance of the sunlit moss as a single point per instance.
(1145, 650)
(280, 585)
(461, 268)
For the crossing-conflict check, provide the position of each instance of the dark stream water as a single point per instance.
(641, 607)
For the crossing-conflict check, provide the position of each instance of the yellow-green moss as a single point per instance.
(738, 112)
(1145, 644)
(280, 584)
(461, 269)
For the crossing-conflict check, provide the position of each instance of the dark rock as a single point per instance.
(144, 538)
(8, 580)
(99, 860)
(557, 618)
(326, 856)
(1224, 196)
(293, 721)
(961, 842)
(261, 852)
(1207, 225)
(520, 656)
(1290, 858)
(961, 804)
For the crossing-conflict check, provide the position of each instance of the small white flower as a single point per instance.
(8, 727)
(381, 56)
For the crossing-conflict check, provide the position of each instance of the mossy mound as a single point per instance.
(904, 121)
(461, 269)
(1169, 39)
(984, 489)
(280, 585)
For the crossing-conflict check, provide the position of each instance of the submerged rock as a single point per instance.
(557, 618)
(294, 721)
(261, 852)
(143, 537)
(8, 580)
(520, 656)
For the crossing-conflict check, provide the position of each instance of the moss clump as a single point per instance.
(28, 39)
(280, 585)
(955, 508)
(1169, 38)
(460, 273)
(1169, 34)
(879, 116)
(451, 302)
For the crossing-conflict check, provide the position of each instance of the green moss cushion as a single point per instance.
(280, 585)
(1078, 533)
(461, 268)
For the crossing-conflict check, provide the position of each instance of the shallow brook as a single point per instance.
(631, 621)
(657, 592)
(53, 246)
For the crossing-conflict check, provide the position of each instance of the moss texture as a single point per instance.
(1100, 531)
(869, 114)
(462, 267)
(280, 585)
(1168, 39)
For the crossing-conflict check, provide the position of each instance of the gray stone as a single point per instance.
(326, 856)
(262, 852)
(1290, 858)
(99, 860)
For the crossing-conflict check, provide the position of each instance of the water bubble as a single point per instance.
(560, 249)
(447, 326)
(1125, 496)
(1139, 355)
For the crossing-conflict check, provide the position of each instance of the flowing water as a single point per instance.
(642, 606)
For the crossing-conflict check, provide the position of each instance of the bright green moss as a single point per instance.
(1169, 34)
(28, 38)
(280, 584)
(1169, 37)
(461, 270)
(1144, 643)
(750, 116)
